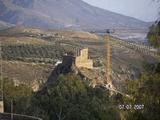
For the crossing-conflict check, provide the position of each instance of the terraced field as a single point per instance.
(22, 41)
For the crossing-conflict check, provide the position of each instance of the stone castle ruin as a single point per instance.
(1, 107)
(70, 63)
(82, 60)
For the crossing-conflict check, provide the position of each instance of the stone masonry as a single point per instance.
(1, 107)
(83, 61)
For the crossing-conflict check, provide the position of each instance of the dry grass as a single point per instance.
(65, 33)
(79, 34)
(26, 73)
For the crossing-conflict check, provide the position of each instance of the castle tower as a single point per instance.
(1, 106)
(83, 60)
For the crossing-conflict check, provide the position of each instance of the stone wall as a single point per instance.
(1, 107)
(83, 60)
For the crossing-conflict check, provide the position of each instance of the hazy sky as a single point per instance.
(145, 10)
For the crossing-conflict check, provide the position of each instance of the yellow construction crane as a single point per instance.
(1, 82)
(108, 47)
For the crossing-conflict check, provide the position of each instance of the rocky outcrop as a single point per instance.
(67, 66)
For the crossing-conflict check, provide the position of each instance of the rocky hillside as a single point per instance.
(27, 50)
(63, 14)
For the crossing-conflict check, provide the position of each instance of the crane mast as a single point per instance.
(108, 47)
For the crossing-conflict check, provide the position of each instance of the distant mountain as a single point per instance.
(63, 14)
(4, 25)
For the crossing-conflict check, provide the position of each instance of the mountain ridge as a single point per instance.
(63, 14)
